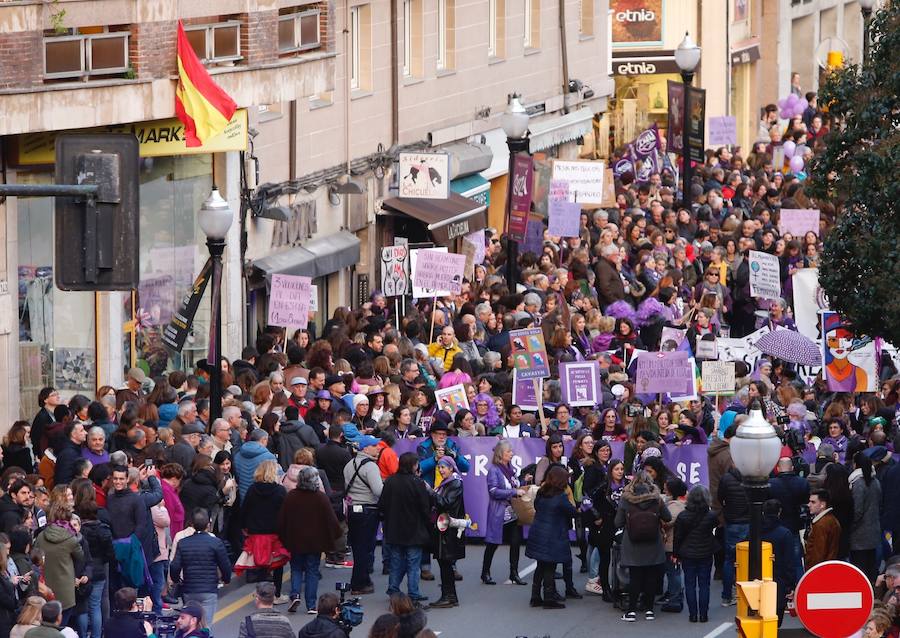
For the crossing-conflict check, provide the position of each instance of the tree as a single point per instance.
(859, 172)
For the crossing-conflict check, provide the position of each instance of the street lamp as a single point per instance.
(755, 448)
(866, 7)
(215, 219)
(687, 57)
(515, 125)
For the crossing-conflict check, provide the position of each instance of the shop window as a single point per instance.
(215, 43)
(86, 55)
(299, 31)
(412, 38)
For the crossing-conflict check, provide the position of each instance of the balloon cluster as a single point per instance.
(795, 153)
(791, 106)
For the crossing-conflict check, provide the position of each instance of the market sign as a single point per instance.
(157, 138)
(636, 22)
(424, 175)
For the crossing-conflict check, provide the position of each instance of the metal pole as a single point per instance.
(754, 491)
(49, 190)
(687, 77)
(867, 16)
(216, 248)
(512, 247)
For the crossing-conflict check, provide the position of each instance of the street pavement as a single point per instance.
(500, 611)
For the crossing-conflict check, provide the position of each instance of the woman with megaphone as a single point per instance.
(449, 535)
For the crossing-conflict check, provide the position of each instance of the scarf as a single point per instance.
(508, 471)
(855, 475)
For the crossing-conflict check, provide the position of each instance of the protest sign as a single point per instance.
(741, 348)
(671, 338)
(156, 296)
(718, 377)
(723, 131)
(395, 270)
(765, 275)
(565, 218)
(424, 175)
(417, 291)
(850, 360)
(809, 300)
(585, 178)
(706, 349)
(559, 191)
(670, 372)
(525, 392)
(798, 221)
(534, 236)
(580, 383)
(529, 353)
(439, 270)
(694, 392)
(452, 398)
(289, 301)
(477, 239)
(314, 299)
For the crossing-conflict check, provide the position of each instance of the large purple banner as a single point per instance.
(688, 462)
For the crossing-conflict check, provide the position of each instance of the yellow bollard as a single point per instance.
(759, 596)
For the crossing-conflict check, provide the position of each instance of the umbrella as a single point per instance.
(791, 346)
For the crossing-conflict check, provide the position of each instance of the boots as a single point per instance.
(536, 600)
(446, 601)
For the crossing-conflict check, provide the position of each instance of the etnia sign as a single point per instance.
(635, 15)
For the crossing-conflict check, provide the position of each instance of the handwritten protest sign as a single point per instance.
(585, 179)
(671, 338)
(565, 218)
(765, 275)
(417, 291)
(289, 301)
(559, 190)
(670, 372)
(529, 353)
(723, 130)
(395, 270)
(439, 270)
(580, 383)
(798, 221)
(718, 377)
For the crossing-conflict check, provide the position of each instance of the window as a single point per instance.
(412, 38)
(586, 21)
(355, 54)
(219, 42)
(532, 24)
(361, 48)
(86, 54)
(407, 37)
(496, 28)
(446, 21)
(299, 31)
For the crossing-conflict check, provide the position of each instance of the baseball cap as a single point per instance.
(192, 609)
(367, 441)
(299, 381)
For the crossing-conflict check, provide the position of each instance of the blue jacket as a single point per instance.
(784, 549)
(199, 559)
(427, 461)
(548, 538)
(247, 459)
(890, 499)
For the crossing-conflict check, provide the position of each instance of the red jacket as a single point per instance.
(388, 462)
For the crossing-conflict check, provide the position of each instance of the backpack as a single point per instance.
(578, 489)
(642, 525)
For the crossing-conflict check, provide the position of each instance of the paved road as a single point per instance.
(500, 611)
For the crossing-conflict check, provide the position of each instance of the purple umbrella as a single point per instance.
(791, 346)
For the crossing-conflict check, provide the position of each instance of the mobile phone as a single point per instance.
(148, 463)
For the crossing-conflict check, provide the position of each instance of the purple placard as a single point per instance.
(523, 394)
(798, 221)
(523, 170)
(534, 236)
(439, 270)
(559, 190)
(565, 218)
(675, 121)
(723, 131)
(664, 372)
(688, 462)
(580, 381)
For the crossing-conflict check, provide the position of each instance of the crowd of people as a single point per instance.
(137, 492)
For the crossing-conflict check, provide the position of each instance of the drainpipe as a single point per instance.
(563, 49)
(395, 80)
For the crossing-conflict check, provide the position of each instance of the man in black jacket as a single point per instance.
(68, 453)
(736, 511)
(325, 624)
(792, 491)
(406, 508)
(200, 560)
(13, 504)
(333, 456)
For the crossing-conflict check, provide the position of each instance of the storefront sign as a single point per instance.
(585, 179)
(303, 225)
(745, 56)
(636, 22)
(675, 122)
(696, 123)
(632, 63)
(424, 175)
(157, 138)
(178, 329)
(289, 301)
(395, 270)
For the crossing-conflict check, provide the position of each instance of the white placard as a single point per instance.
(765, 275)
(585, 179)
(421, 293)
(717, 377)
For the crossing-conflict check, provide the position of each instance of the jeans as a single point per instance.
(696, 577)
(305, 575)
(158, 574)
(95, 608)
(674, 582)
(386, 554)
(734, 534)
(594, 562)
(406, 560)
(209, 602)
(362, 528)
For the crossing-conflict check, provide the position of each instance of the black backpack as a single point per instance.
(642, 525)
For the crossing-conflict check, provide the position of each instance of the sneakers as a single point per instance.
(311, 612)
(344, 564)
(629, 616)
(649, 615)
(729, 602)
(281, 600)
(295, 604)
(594, 587)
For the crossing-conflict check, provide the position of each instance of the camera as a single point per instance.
(351, 611)
(163, 624)
(783, 420)
(633, 410)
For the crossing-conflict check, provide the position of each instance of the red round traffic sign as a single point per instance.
(833, 599)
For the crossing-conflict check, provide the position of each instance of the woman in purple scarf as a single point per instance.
(501, 521)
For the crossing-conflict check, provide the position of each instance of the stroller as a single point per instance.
(618, 575)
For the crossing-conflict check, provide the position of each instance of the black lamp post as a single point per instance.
(687, 57)
(515, 125)
(215, 219)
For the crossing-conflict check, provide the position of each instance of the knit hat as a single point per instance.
(359, 398)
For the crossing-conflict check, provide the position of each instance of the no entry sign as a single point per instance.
(833, 599)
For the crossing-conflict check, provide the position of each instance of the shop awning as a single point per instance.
(316, 258)
(473, 187)
(558, 130)
(467, 158)
(446, 219)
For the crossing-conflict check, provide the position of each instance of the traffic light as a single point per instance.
(97, 237)
(758, 596)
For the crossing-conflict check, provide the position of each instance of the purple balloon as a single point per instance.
(785, 114)
(796, 164)
(793, 99)
(789, 148)
(783, 102)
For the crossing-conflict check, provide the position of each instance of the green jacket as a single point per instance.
(62, 550)
(44, 630)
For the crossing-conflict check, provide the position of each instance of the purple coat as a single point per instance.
(498, 495)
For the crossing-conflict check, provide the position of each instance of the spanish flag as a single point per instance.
(201, 104)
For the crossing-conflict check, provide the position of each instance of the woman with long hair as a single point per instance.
(694, 544)
(62, 551)
(29, 616)
(548, 537)
(502, 524)
(865, 532)
(554, 454)
(610, 429)
(260, 507)
(17, 450)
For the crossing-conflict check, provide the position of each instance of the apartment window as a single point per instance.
(446, 22)
(80, 55)
(299, 31)
(586, 21)
(361, 48)
(496, 28)
(412, 38)
(532, 24)
(407, 37)
(218, 42)
(355, 53)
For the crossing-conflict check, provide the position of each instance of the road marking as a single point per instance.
(835, 600)
(237, 605)
(720, 629)
(523, 573)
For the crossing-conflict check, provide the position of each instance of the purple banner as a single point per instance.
(534, 236)
(580, 381)
(675, 122)
(688, 462)
(523, 170)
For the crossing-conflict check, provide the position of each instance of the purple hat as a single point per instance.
(324, 394)
(448, 462)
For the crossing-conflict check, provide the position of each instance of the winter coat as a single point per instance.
(307, 523)
(865, 532)
(733, 498)
(247, 459)
(62, 550)
(322, 627)
(99, 540)
(719, 454)
(18, 455)
(500, 491)
(66, 457)
(11, 513)
(406, 511)
(199, 561)
(7, 605)
(890, 499)
(608, 283)
(548, 537)
(292, 436)
(174, 507)
(793, 493)
(448, 499)
(201, 490)
(333, 458)
(694, 537)
(785, 561)
(127, 513)
(261, 507)
(642, 554)
(823, 541)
